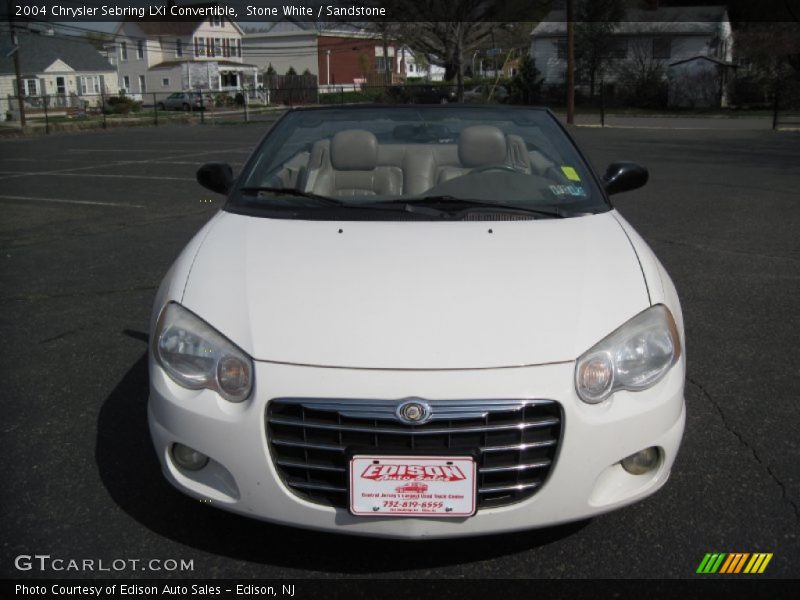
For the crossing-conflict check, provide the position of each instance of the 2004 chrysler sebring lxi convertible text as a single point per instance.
(417, 322)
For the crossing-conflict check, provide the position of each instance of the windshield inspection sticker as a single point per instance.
(570, 173)
(568, 190)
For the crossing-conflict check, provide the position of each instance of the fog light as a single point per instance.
(188, 458)
(642, 462)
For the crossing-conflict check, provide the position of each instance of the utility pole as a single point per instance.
(570, 62)
(15, 43)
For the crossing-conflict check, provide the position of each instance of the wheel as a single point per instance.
(186, 107)
(161, 106)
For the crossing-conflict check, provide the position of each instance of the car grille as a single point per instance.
(514, 442)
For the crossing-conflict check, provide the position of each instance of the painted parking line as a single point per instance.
(118, 163)
(114, 176)
(65, 201)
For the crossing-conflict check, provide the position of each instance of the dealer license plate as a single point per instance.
(418, 486)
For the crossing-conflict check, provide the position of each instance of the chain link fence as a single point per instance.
(265, 104)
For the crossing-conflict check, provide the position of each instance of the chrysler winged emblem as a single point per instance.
(413, 411)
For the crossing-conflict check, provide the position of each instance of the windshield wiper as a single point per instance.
(293, 192)
(470, 204)
(327, 201)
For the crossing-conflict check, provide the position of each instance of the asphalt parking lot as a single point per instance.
(92, 221)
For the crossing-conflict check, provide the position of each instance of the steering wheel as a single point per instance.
(495, 168)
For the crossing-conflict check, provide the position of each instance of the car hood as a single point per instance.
(416, 295)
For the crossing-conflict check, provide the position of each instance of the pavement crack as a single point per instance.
(749, 446)
(722, 250)
(40, 297)
(61, 335)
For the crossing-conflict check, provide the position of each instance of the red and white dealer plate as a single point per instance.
(418, 486)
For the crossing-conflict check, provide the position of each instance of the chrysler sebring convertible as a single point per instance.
(417, 322)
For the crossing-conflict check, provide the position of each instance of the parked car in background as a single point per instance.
(480, 93)
(421, 94)
(186, 101)
(438, 296)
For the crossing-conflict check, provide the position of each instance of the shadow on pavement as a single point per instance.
(131, 473)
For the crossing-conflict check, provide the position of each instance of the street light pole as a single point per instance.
(570, 63)
(15, 44)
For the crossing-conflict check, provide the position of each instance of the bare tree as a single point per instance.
(447, 32)
(594, 37)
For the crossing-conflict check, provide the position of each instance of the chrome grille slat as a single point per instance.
(418, 430)
(514, 442)
(317, 486)
(519, 447)
(302, 465)
(293, 444)
(523, 467)
(509, 488)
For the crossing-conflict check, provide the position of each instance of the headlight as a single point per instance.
(634, 357)
(197, 356)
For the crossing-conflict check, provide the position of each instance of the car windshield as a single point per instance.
(434, 162)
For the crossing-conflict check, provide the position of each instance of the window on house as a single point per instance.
(662, 48)
(239, 47)
(165, 82)
(561, 49)
(31, 87)
(217, 47)
(140, 49)
(209, 49)
(142, 84)
(617, 49)
(178, 48)
(126, 82)
(380, 64)
(89, 85)
(123, 51)
(61, 85)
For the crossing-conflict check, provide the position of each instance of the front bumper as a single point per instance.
(586, 479)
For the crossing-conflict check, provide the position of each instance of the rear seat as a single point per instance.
(352, 163)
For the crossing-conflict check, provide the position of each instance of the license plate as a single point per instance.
(418, 486)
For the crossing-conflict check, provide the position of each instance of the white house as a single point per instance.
(691, 43)
(283, 45)
(164, 56)
(416, 65)
(63, 68)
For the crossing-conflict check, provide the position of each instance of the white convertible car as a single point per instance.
(417, 322)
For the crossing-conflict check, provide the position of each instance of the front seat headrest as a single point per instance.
(354, 150)
(481, 145)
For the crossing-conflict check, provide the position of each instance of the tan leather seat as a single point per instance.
(347, 166)
(478, 146)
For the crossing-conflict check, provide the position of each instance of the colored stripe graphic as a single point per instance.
(711, 562)
(758, 563)
(734, 563)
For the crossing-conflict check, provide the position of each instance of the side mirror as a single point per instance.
(624, 177)
(216, 176)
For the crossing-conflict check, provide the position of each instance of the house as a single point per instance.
(65, 68)
(283, 45)
(339, 54)
(156, 57)
(686, 44)
(349, 55)
(415, 64)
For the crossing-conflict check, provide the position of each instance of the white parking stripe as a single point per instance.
(65, 201)
(118, 163)
(113, 176)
